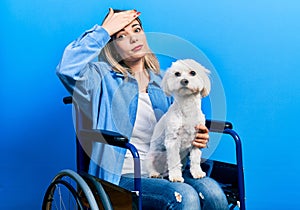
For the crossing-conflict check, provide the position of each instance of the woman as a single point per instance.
(121, 93)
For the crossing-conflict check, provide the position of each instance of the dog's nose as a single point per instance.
(184, 82)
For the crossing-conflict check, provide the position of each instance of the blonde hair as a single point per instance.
(110, 55)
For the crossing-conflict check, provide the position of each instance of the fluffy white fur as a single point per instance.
(187, 81)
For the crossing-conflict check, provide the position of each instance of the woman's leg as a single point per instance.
(163, 194)
(210, 193)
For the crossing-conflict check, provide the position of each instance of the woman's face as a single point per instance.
(131, 42)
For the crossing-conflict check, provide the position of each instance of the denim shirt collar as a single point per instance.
(154, 78)
(116, 74)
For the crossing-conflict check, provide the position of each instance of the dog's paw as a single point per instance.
(197, 174)
(154, 174)
(176, 177)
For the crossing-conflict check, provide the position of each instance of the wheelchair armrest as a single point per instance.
(67, 100)
(103, 136)
(218, 126)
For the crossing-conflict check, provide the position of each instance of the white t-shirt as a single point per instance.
(141, 134)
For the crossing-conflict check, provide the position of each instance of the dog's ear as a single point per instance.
(207, 86)
(165, 84)
(204, 73)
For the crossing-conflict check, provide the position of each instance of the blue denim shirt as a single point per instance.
(106, 97)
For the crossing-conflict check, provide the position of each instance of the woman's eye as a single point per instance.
(192, 73)
(177, 74)
(137, 30)
(121, 36)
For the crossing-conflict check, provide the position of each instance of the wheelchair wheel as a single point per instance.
(68, 190)
(62, 195)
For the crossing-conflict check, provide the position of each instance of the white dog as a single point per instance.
(187, 81)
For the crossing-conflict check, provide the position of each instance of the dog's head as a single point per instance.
(186, 77)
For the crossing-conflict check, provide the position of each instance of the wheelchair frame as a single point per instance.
(92, 187)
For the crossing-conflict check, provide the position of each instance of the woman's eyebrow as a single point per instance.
(137, 24)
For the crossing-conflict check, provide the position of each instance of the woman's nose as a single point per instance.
(133, 38)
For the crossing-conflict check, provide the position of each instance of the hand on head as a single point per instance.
(114, 22)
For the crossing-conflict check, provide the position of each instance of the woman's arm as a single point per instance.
(80, 76)
(78, 54)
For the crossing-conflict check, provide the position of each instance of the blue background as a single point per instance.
(253, 45)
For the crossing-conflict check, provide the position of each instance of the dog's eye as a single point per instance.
(177, 74)
(192, 73)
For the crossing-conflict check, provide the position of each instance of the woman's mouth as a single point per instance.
(137, 48)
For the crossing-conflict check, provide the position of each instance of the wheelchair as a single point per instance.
(80, 190)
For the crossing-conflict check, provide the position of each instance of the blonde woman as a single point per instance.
(121, 92)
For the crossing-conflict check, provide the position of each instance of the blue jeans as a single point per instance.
(197, 194)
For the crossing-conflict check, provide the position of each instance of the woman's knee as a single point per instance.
(184, 197)
(212, 195)
(169, 195)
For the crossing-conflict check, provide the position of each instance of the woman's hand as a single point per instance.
(114, 22)
(202, 137)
